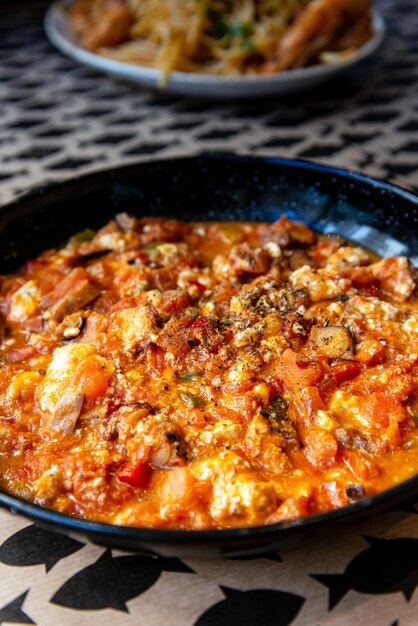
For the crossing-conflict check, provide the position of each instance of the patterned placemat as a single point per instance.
(58, 119)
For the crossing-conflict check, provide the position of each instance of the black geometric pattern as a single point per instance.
(263, 606)
(387, 566)
(111, 582)
(33, 545)
(14, 613)
(58, 118)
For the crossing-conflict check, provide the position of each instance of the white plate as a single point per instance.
(187, 83)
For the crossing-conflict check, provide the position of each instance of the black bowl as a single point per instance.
(370, 212)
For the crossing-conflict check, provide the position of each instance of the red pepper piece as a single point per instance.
(295, 375)
(196, 283)
(312, 402)
(345, 370)
(17, 355)
(138, 475)
(201, 322)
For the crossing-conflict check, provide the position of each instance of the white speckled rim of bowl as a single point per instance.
(206, 85)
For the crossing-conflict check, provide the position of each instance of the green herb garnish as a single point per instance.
(187, 376)
(84, 235)
(152, 246)
(193, 401)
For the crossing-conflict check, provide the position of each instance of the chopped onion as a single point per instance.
(67, 412)
(161, 457)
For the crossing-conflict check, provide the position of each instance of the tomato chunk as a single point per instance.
(364, 469)
(20, 354)
(92, 375)
(320, 447)
(344, 370)
(295, 376)
(371, 351)
(330, 495)
(311, 402)
(138, 475)
(382, 407)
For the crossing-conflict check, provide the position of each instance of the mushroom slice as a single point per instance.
(335, 342)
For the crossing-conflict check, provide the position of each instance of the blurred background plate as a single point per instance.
(206, 85)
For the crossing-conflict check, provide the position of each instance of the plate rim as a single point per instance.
(55, 22)
(298, 162)
(210, 537)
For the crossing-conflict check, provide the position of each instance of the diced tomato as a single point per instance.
(156, 358)
(329, 496)
(361, 277)
(371, 352)
(17, 355)
(34, 265)
(243, 403)
(344, 370)
(138, 475)
(395, 276)
(311, 402)
(323, 249)
(46, 276)
(164, 278)
(193, 417)
(320, 447)
(196, 283)
(173, 301)
(206, 332)
(402, 386)
(381, 408)
(222, 412)
(363, 469)
(372, 290)
(92, 377)
(390, 438)
(296, 375)
(201, 322)
(292, 508)
(70, 282)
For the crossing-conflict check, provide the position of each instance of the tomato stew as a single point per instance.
(207, 375)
